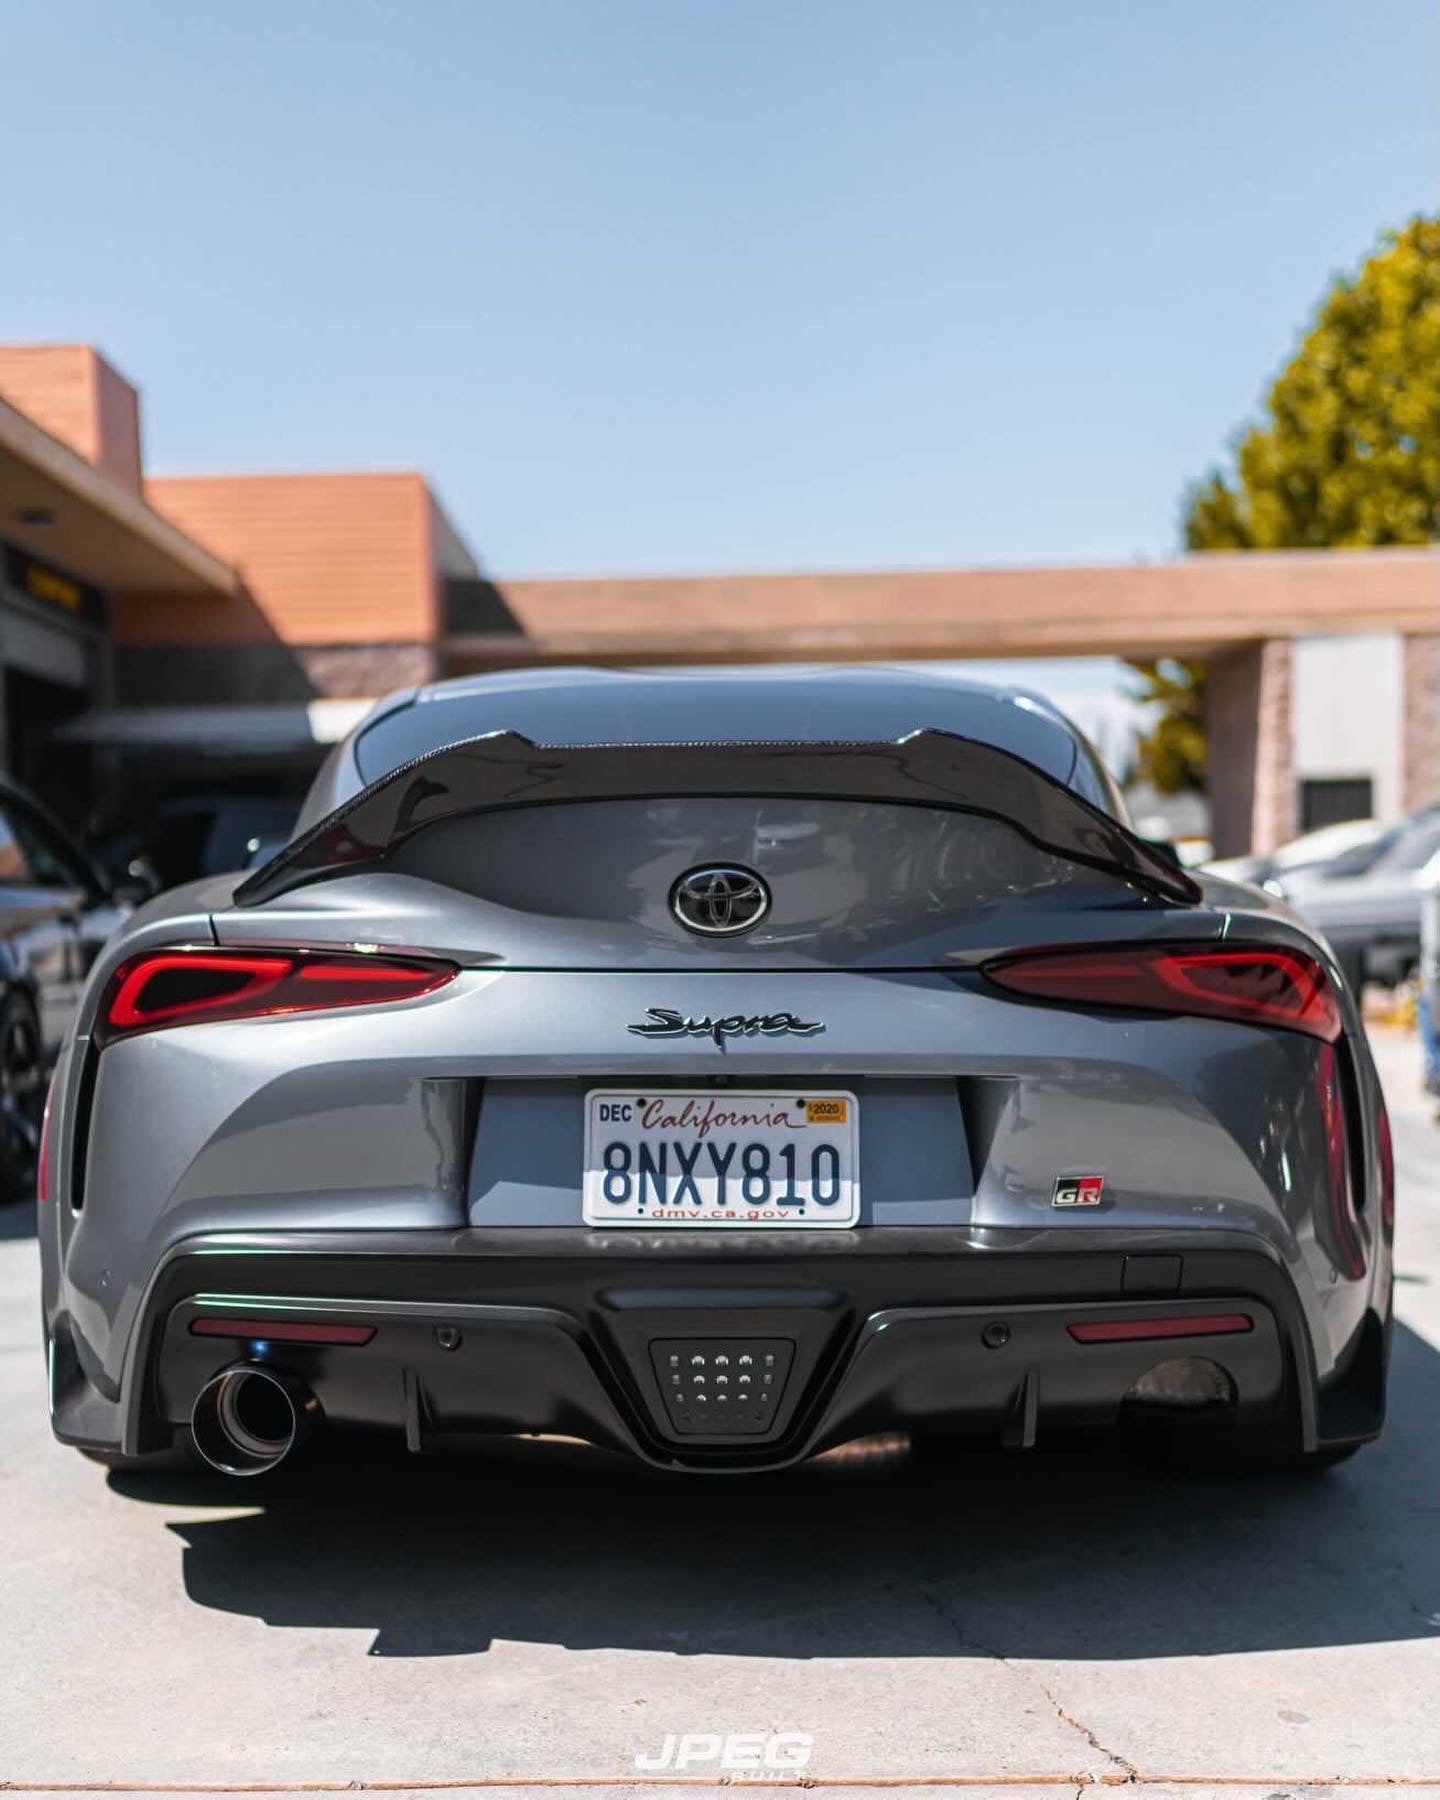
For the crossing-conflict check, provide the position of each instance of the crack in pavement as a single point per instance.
(938, 1605)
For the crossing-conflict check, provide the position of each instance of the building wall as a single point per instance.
(265, 674)
(340, 592)
(1184, 608)
(1232, 700)
(1289, 710)
(1346, 711)
(1420, 711)
(325, 559)
(1273, 818)
(117, 427)
(346, 671)
(71, 391)
(1251, 783)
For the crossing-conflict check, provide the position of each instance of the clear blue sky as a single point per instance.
(658, 286)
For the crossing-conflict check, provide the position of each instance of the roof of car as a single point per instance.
(771, 703)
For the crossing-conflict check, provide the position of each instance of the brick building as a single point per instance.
(220, 630)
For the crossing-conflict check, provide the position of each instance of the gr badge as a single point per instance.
(1078, 1190)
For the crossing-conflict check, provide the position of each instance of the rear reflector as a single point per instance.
(1256, 986)
(287, 1331)
(1119, 1331)
(182, 987)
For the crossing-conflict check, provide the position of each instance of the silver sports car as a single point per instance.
(716, 1066)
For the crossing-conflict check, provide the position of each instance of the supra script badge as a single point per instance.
(660, 1021)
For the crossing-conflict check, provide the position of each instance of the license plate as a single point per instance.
(721, 1159)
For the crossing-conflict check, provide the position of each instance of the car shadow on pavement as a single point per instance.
(1089, 1554)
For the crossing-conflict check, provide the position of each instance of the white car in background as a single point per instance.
(1312, 850)
(1368, 901)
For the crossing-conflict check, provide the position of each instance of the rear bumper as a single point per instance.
(582, 1333)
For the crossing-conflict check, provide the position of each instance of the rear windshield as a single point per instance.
(683, 711)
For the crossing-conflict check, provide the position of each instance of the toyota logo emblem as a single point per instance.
(719, 901)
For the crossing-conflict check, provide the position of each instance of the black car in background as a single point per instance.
(183, 837)
(57, 908)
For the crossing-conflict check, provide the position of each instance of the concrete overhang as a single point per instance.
(60, 508)
(1198, 606)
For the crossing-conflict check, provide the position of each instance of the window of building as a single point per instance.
(1332, 799)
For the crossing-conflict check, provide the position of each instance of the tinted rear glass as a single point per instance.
(679, 709)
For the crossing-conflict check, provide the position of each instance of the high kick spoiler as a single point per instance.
(928, 768)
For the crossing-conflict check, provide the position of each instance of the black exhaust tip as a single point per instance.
(248, 1418)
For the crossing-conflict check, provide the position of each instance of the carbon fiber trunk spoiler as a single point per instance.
(928, 768)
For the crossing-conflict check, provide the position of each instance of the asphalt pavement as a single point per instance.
(546, 1616)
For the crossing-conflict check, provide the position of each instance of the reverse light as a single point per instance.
(1256, 986)
(183, 987)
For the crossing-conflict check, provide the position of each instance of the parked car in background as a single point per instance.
(195, 834)
(57, 909)
(1368, 901)
(1310, 851)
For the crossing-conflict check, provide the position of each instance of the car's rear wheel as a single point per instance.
(22, 1096)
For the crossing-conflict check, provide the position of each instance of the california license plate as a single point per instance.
(721, 1158)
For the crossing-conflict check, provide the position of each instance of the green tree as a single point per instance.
(1171, 754)
(1346, 453)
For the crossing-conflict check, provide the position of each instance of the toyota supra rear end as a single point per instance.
(717, 1066)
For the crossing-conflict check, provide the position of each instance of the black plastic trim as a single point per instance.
(561, 1284)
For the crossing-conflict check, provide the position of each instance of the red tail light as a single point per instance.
(1256, 986)
(182, 987)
